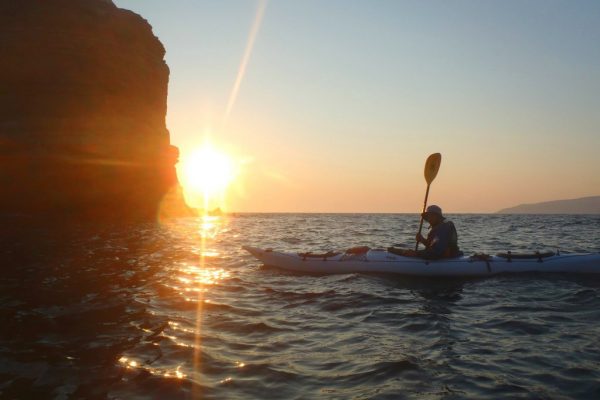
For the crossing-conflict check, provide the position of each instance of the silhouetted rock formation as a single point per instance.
(83, 99)
(584, 205)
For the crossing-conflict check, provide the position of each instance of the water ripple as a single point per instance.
(180, 311)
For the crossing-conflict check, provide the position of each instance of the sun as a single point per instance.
(207, 173)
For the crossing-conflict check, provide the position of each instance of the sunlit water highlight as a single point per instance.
(180, 311)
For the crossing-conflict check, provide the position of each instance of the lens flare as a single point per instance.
(260, 12)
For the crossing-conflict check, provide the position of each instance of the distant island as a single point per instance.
(583, 205)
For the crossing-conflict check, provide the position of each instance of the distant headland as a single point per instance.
(82, 113)
(583, 205)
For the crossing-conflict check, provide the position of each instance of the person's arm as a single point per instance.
(421, 239)
(437, 244)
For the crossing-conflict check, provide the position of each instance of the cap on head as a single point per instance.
(433, 209)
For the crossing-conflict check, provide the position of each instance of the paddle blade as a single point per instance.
(432, 166)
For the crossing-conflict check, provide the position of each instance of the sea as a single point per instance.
(178, 310)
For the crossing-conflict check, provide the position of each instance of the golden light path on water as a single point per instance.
(210, 227)
(191, 281)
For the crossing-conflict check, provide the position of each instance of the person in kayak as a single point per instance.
(442, 240)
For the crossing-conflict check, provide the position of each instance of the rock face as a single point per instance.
(83, 99)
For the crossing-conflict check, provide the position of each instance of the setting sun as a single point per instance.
(206, 174)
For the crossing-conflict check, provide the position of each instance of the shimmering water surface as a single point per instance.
(178, 310)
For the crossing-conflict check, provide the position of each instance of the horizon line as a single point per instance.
(395, 213)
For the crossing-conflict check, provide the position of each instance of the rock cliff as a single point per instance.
(83, 99)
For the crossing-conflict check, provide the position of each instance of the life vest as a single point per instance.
(451, 249)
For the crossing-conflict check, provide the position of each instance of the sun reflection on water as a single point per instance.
(192, 280)
(195, 275)
(203, 276)
(176, 373)
(211, 226)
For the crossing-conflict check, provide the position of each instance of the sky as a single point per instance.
(342, 101)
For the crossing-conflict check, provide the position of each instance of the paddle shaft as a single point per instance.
(424, 208)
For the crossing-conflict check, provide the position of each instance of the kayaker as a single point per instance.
(442, 240)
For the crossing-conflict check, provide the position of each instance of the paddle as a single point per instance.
(432, 166)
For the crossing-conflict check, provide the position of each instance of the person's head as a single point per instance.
(433, 215)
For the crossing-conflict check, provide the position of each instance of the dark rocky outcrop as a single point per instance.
(83, 99)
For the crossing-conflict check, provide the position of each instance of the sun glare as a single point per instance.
(207, 173)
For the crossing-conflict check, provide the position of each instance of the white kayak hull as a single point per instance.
(381, 261)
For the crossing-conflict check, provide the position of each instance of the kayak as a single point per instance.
(381, 260)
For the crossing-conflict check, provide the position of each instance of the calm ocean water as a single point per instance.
(180, 311)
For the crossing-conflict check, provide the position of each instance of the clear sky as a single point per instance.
(343, 100)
